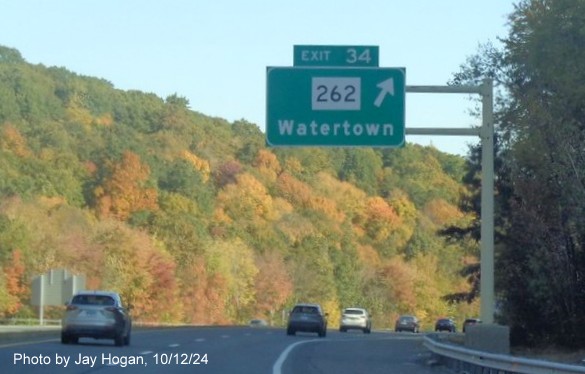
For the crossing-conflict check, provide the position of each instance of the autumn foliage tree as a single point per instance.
(13, 141)
(15, 281)
(144, 274)
(273, 284)
(226, 173)
(124, 190)
(380, 218)
(193, 219)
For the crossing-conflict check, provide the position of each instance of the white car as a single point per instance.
(355, 318)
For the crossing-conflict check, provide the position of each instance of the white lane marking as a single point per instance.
(276, 369)
(224, 336)
(28, 343)
(174, 345)
(144, 353)
(200, 339)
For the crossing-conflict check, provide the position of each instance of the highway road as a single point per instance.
(222, 350)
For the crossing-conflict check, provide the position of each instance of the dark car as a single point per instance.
(470, 321)
(98, 315)
(445, 324)
(407, 323)
(307, 318)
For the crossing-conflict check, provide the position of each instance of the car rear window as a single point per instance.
(305, 309)
(93, 300)
(353, 311)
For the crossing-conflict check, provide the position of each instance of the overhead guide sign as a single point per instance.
(335, 106)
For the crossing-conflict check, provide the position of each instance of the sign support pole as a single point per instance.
(488, 303)
(486, 134)
(42, 301)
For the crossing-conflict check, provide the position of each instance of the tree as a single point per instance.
(348, 198)
(178, 101)
(10, 55)
(276, 226)
(267, 166)
(545, 61)
(273, 284)
(182, 178)
(313, 270)
(13, 141)
(361, 167)
(134, 265)
(248, 199)
(15, 281)
(124, 191)
(540, 169)
(233, 262)
(227, 172)
(249, 139)
(380, 219)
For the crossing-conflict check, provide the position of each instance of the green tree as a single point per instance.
(10, 55)
(249, 140)
(547, 69)
(182, 178)
(313, 270)
(361, 168)
(540, 169)
(234, 261)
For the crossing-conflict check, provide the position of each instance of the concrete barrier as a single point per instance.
(488, 338)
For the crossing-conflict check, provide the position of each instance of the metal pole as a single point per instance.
(486, 134)
(487, 303)
(443, 131)
(42, 300)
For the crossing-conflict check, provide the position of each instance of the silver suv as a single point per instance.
(355, 318)
(98, 315)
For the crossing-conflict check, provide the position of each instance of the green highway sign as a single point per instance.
(336, 55)
(349, 107)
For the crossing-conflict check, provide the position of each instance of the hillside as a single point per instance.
(193, 219)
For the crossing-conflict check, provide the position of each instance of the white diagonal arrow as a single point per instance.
(386, 87)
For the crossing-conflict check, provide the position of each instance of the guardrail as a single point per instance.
(464, 360)
(57, 322)
(29, 322)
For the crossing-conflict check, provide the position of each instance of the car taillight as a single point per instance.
(111, 309)
(71, 307)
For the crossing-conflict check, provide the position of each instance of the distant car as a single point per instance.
(98, 315)
(355, 318)
(258, 323)
(445, 324)
(470, 321)
(307, 318)
(407, 323)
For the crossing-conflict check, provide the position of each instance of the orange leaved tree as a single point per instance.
(124, 190)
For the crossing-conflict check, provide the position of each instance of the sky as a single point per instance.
(215, 52)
